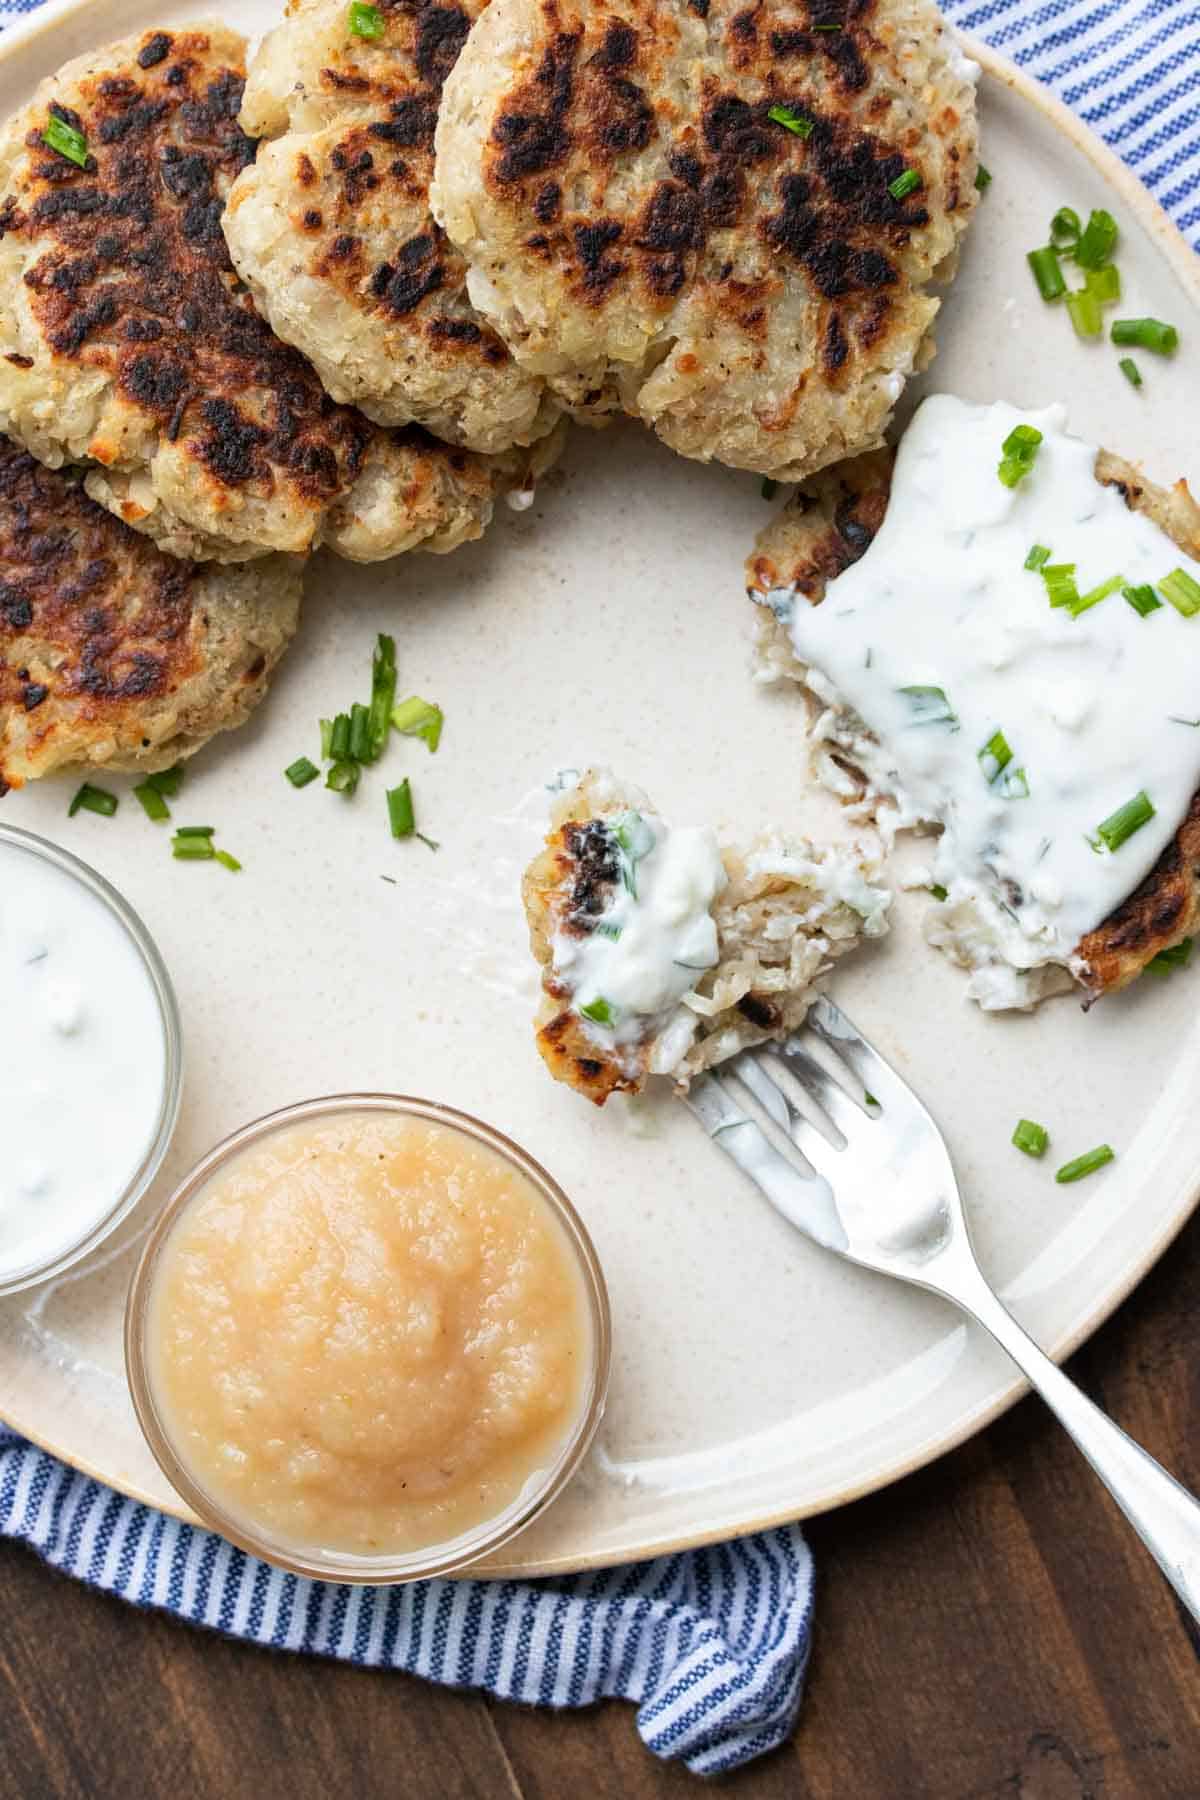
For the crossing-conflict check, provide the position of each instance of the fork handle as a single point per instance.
(1164, 1515)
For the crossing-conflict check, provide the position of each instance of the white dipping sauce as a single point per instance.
(656, 937)
(82, 1062)
(1088, 705)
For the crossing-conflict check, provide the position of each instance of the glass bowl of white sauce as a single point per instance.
(91, 1059)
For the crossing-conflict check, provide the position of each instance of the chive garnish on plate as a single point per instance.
(301, 772)
(152, 803)
(983, 178)
(1097, 241)
(1038, 556)
(1031, 1137)
(1130, 371)
(419, 718)
(1145, 334)
(598, 1010)
(1087, 1164)
(93, 799)
(401, 816)
(1084, 310)
(1047, 273)
(383, 693)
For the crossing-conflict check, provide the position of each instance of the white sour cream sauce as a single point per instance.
(82, 1062)
(1088, 705)
(652, 947)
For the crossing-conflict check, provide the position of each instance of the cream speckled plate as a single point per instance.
(755, 1379)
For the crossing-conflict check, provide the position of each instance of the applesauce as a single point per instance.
(368, 1332)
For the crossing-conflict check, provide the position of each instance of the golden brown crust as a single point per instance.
(826, 525)
(110, 651)
(132, 276)
(569, 883)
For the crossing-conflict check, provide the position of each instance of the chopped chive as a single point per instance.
(930, 706)
(1104, 284)
(905, 184)
(1183, 591)
(598, 1010)
(1143, 599)
(769, 488)
(1038, 555)
(1084, 309)
(68, 142)
(636, 840)
(365, 21)
(326, 739)
(1031, 1137)
(1146, 334)
(339, 738)
(195, 831)
(1175, 956)
(938, 891)
(1094, 595)
(1065, 226)
(1087, 1164)
(93, 799)
(152, 803)
(192, 850)
(1130, 371)
(995, 756)
(1060, 583)
(343, 776)
(1015, 785)
(791, 121)
(383, 693)
(166, 781)
(301, 772)
(1046, 272)
(227, 861)
(360, 733)
(611, 932)
(1097, 242)
(401, 816)
(983, 178)
(1121, 825)
(419, 718)
(1019, 453)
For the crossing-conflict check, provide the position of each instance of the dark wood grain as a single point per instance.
(987, 1630)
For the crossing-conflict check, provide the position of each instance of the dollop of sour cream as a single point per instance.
(940, 637)
(656, 937)
(82, 1062)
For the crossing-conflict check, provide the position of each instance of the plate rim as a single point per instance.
(1185, 266)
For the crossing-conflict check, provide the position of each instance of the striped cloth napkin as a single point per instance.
(712, 1645)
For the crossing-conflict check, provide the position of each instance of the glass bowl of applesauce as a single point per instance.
(368, 1339)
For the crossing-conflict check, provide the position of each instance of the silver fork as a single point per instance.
(879, 1189)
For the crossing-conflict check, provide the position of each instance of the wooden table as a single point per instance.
(987, 1630)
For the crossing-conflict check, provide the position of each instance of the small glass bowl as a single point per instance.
(172, 1094)
(400, 1566)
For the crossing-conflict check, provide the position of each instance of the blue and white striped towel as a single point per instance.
(712, 1646)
